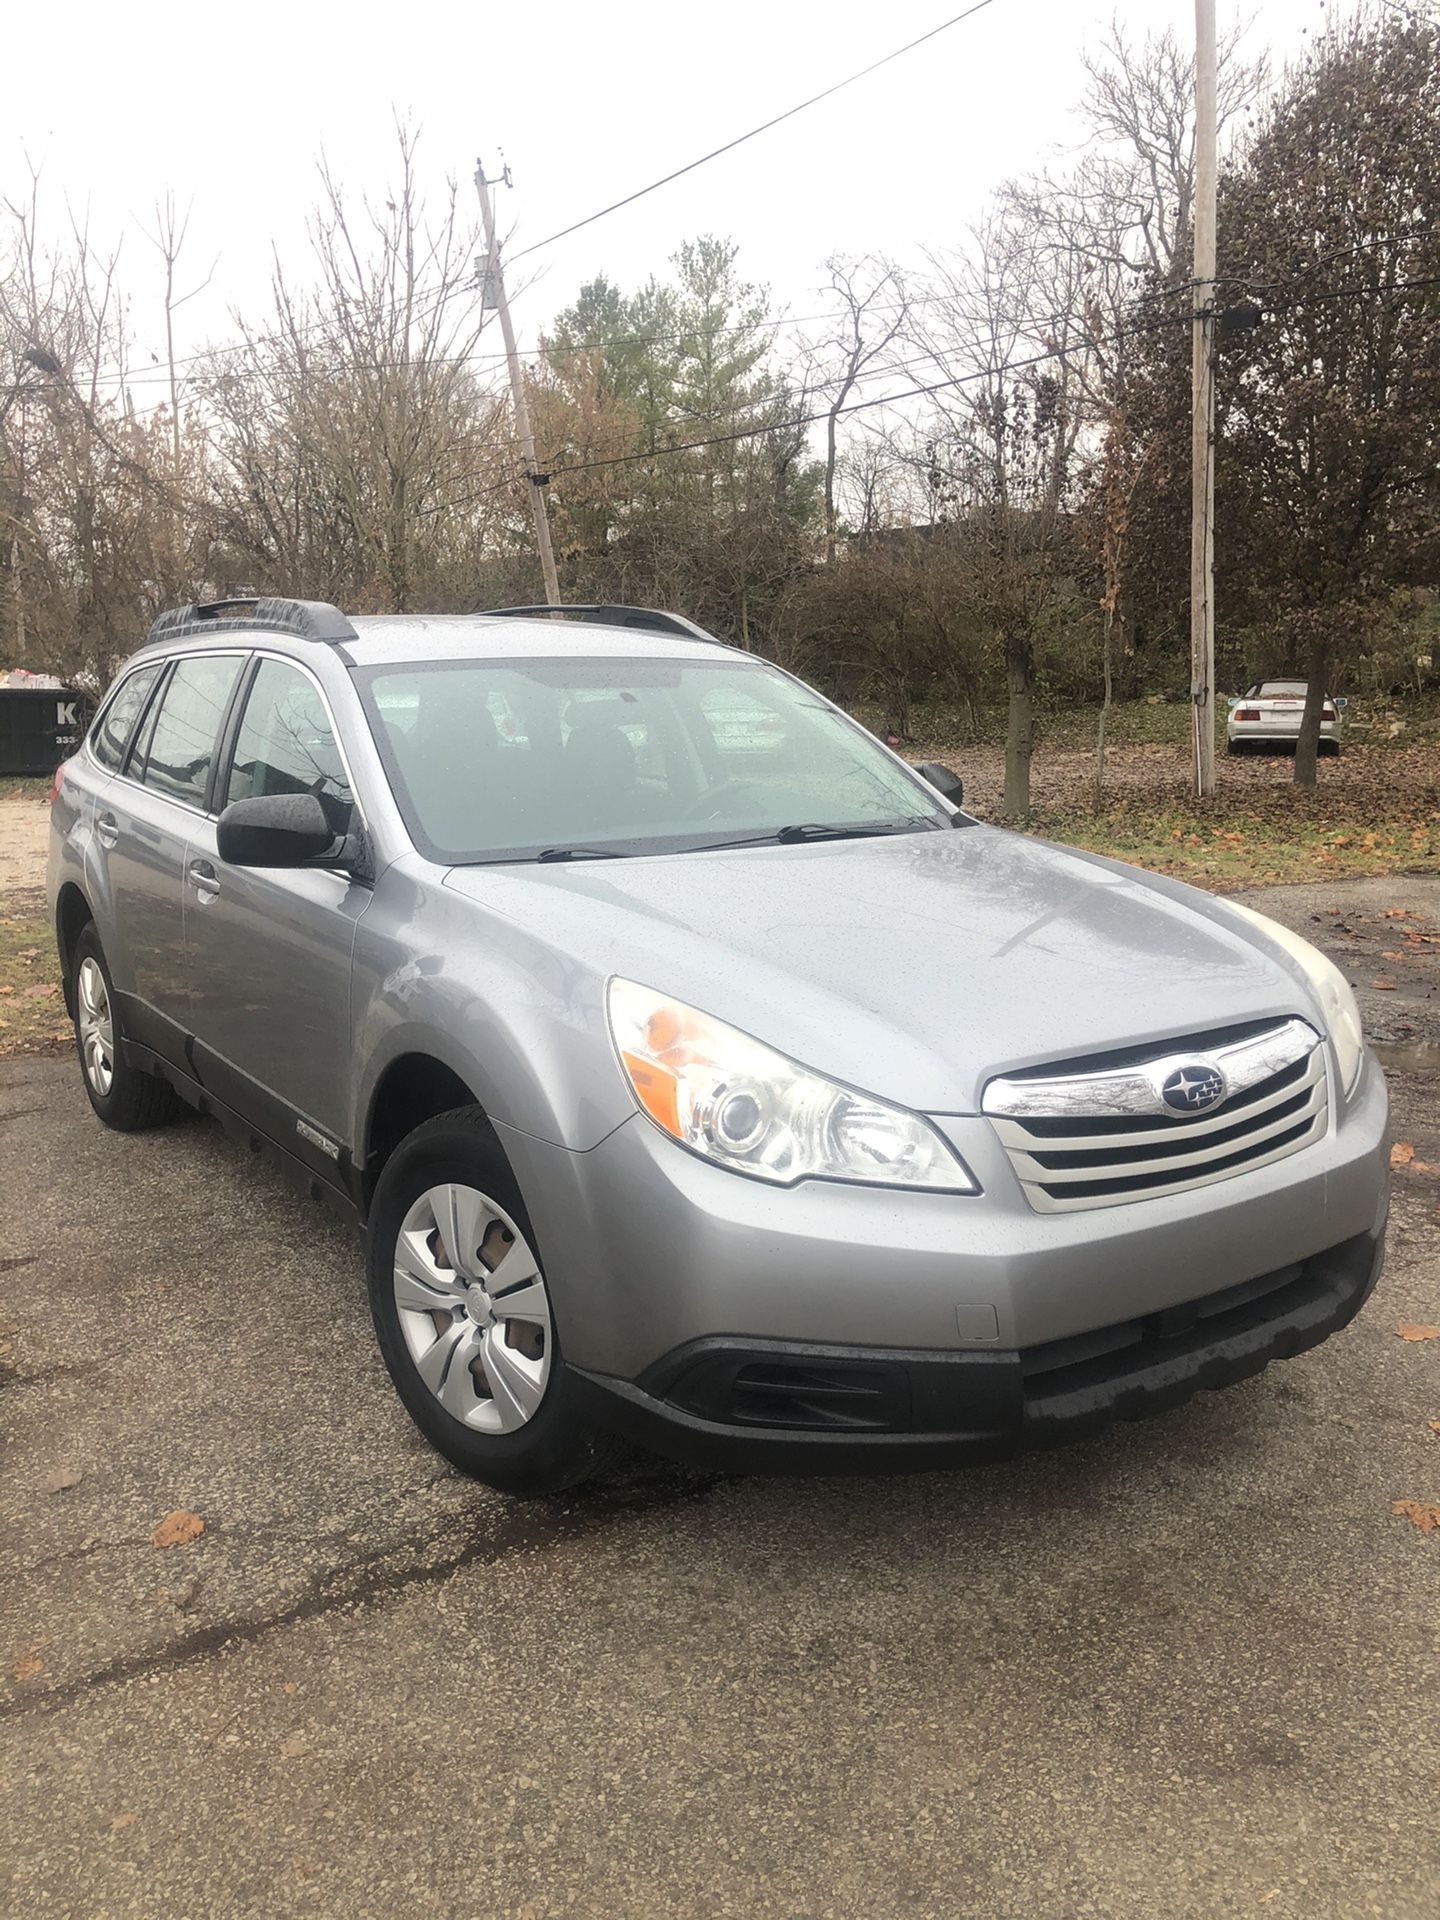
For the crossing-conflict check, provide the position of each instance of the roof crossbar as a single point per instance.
(303, 619)
(652, 619)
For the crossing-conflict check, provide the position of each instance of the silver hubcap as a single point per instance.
(473, 1308)
(97, 1029)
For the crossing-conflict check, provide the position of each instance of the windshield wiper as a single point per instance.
(808, 830)
(817, 830)
(578, 853)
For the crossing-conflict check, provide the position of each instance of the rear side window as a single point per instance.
(117, 722)
(182, 740)
(287, 745)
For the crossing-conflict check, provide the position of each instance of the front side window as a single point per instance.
(495, 759)
(182, 739)
(117, 721)
(287, 745)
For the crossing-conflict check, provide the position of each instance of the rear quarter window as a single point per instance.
(117, 718)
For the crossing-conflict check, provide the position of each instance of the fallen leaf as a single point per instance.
(177, 1529)
(1397, 955)
(123, 1820)
(1418, 1513)
(1382, 985)
(295, 1746)
(1401, 1154)
(29, 1664)
(61, 1479)
(28, 953)
(1395, 913)
(1433, 1425)
(1410, 1330)
(304, 1869)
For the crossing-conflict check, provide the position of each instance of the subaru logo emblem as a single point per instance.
(1193, 1088)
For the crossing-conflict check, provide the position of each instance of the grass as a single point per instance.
(1243, 849)
(32, 1009)
(34, 787)
(1375, 809)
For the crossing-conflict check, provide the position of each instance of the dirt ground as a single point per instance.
(24, 835)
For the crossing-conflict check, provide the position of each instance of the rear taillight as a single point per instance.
(1248, 713)
(1327, 713)
(57, 783)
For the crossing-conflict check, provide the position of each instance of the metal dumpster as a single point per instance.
(40, 727)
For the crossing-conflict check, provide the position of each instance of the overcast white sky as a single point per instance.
(228, 105)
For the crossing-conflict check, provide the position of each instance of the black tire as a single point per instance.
(135, 1100)
(1234, 746)
(555, 1448)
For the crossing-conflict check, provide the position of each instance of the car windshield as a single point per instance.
(497, 759)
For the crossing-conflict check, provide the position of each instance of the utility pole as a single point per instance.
(1202, 403)
(534, 481)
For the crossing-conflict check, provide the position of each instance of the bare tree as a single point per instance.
(871, 314)
(1002, 449)
(358, 437)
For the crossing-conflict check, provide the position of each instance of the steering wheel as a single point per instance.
(704, 807)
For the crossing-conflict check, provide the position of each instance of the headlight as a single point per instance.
(744, 1106)
(1332, 989)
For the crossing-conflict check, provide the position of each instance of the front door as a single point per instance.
(269, 949)
(143, 819)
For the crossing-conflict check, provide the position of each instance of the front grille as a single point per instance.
(1106, 1137)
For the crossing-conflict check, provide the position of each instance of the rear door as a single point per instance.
(269, 949)
(143, 820)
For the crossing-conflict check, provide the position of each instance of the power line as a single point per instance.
(764, 127)
(1187, 287)
(824, 413)
(451, 293)
(1364, 292)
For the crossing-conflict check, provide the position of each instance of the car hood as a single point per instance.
(913, 966)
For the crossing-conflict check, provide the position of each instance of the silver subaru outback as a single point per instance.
(701, 1074)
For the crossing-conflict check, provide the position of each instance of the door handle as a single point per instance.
(204, 879)
(107, 830)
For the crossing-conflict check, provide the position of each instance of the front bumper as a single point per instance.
(648, 1248)
(753, 1406)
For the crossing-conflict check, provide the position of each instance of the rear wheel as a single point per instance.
(124, 1097)
(463, 1313)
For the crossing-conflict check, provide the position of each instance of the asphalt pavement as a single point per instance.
(1186, 1669)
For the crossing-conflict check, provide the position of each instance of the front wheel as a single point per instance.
(463, 1313)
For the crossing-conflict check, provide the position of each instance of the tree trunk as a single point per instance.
(830, 489)
(1020, 731)
(1105, 705)
(1307, 747)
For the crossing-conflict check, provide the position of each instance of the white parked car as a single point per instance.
(1270, 713)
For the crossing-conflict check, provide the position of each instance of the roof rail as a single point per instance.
(650, 618)
(304, 619)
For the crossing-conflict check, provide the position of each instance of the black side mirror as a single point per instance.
(943, 780)
(275, 830)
